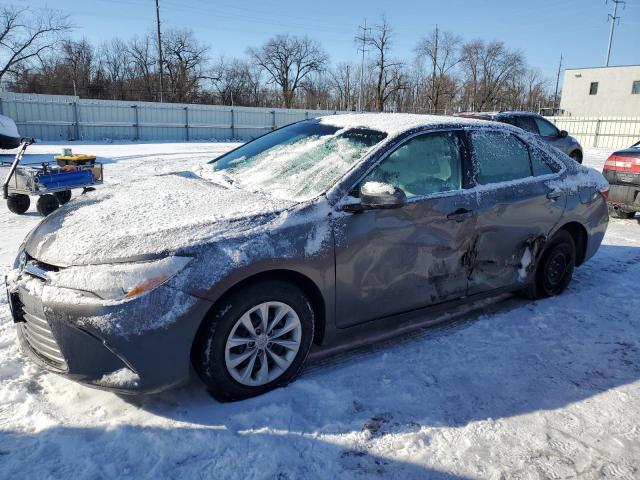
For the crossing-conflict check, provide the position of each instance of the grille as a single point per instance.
(39, 337)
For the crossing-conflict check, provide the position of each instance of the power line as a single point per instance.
(363, 38)
(613, 19)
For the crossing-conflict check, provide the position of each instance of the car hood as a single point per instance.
(147, 218)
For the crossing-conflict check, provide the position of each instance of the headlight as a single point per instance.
(119, 280)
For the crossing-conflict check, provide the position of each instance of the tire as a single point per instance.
(554, 269)
(618, 213)
(63, 197)
(214, 354)
(577, 156)
(47, 204)
(18, 203)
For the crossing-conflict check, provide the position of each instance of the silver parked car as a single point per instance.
(321, 232)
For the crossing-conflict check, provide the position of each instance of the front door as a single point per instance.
(515, 209)
(393, 261)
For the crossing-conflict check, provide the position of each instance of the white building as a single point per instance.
(602, 92)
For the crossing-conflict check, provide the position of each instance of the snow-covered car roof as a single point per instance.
(396, 123)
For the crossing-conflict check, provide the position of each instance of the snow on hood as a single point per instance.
(396, 123)
(156, 215)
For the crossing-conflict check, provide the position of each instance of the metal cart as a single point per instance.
(52, 182)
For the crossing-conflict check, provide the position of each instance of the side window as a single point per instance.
(426, 164)
(538, 163)
(546, 129)
(499, 157)
(527, 124)
(593, 88)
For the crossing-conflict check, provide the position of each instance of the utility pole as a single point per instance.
(348, 91)
(363, 38)
(159, 49)
(555, 95)
(613, 19)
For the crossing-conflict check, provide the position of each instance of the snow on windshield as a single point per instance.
(297, 165)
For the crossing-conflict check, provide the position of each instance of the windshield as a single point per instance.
(297, 162)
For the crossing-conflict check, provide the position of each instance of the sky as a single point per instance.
(540, 29)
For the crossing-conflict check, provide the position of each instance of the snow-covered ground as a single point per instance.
(547, 389)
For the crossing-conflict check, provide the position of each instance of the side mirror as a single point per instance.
(563, 133)
(381, 195)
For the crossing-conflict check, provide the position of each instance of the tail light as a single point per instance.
(621, 163)
(604, 191)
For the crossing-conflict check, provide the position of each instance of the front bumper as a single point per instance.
(140, 345)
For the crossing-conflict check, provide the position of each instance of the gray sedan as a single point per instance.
(319, 233)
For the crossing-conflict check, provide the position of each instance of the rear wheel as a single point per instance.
(616, 212)
(63, 197)
(47, 204)
(18, 203)
(554, 270)
(257, 340)
(577, 156)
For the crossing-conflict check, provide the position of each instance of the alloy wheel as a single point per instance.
(263, 343)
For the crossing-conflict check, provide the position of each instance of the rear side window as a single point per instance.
(546, 129)
(538, 163)
(499, 157)
(424, 165)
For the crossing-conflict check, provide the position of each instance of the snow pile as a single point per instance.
(123, 378)
(378, 188)
(584, 177)
(151, 216)
(395, 123)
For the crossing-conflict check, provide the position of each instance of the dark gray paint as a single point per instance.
(380, 269)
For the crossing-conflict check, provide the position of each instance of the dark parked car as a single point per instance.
(321, 232)
(538, 125)
(622, 171)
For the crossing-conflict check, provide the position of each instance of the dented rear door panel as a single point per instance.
(510, 219)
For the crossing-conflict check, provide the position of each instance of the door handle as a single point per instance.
(460, 215)
(555, 194)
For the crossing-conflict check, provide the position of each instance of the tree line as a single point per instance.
(446, 73)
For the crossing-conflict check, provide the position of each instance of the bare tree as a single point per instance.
(184, 59)
(442, 51)
(235, 82)
(116, 61)
(142, 52)
(25, 36)
(343, 82)
(78, 61)
(387, 71)
(288, 61)
(488, 68)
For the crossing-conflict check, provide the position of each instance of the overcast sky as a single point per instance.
(541, 29)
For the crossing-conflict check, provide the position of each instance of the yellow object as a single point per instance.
(75, 158)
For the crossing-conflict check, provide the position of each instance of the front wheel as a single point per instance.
(257, 340)
(554, 270)
(47, 204)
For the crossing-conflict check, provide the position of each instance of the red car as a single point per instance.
(622, 170)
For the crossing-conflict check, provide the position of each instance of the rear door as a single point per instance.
(514, 207)
(397, 260)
